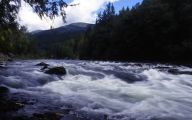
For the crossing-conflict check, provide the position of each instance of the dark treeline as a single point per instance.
(60, 43)
(155, 30)
(64, 49)
(17, 42)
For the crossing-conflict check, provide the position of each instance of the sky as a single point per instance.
(86, 11)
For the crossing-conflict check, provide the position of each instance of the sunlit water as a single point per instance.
(122, 91)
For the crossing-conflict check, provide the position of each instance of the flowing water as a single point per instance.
(93, 89)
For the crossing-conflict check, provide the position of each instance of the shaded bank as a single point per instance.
(4, 57)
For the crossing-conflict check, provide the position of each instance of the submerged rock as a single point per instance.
(178, 72)
(56, 71)
(2, 64)
(9, 105)
(163, 118)
(10, 60)
(44, 67)
(42, 64)
(162, 67)
(138, 65)
(47, 116)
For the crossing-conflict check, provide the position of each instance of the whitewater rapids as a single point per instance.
(122, 91)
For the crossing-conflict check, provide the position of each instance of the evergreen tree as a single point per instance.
(155, 30)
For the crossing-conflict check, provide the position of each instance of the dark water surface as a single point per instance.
(101, 90)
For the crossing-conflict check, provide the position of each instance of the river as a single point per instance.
(102, 90)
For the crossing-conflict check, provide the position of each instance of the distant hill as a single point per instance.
(48, 39)
(61, 33)
(36, 31)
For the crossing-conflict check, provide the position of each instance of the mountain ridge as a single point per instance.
(76, 24)
(61, 39)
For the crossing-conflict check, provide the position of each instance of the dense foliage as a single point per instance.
(17, 42)
(155, 30)
(13, 38)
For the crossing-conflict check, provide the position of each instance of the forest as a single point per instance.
(154, 30)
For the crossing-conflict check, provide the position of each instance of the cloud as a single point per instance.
(32, 21)
(86, 11)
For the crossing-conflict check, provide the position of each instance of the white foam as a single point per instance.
(159, 94)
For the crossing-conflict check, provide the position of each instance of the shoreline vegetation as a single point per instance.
(3, 57)
(10, 58)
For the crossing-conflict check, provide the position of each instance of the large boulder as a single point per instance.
(57, 71)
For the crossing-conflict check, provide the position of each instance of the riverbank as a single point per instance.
(11, 57)
(6, 57)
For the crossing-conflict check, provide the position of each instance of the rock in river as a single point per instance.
(46, 116)
(7, 105)
(57, 71)
(42, 64)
